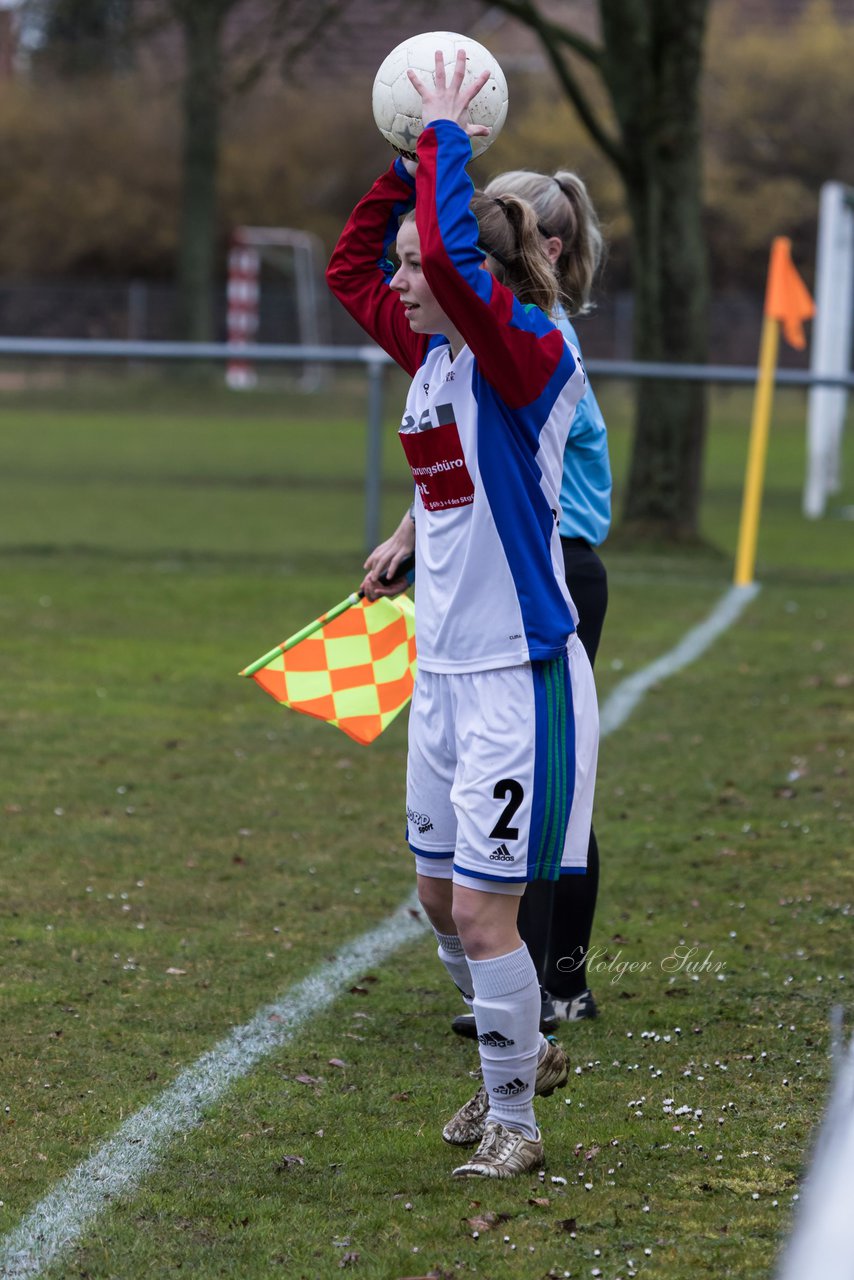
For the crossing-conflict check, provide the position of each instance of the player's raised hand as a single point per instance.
(450, 100)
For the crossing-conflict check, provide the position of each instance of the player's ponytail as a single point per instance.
(566, 211)
(511, 239)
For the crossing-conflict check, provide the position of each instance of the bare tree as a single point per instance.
(649, 62)
(228, 44)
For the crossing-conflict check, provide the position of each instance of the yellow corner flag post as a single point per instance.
(787, 303)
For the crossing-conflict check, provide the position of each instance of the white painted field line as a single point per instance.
(118, 1166)
(695, 642)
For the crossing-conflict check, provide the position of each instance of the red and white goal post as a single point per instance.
(250, 248)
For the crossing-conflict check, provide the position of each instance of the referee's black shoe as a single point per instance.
(464, 1023)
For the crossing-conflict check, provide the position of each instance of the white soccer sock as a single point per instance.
(453, 957)
(507, 1013)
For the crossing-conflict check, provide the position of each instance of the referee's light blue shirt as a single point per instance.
(585, 495)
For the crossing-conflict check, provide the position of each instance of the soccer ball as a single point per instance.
(397, 103)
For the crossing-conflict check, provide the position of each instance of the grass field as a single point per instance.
(177, 852)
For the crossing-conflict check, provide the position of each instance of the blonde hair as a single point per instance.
(564, 209)
(510, 236)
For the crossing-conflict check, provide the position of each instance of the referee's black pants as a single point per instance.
(556, 917)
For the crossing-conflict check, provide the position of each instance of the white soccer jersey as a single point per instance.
(489, 587)
(484, 434)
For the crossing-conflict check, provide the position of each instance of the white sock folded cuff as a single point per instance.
(502, 975)
(453, 957)
(450, 942)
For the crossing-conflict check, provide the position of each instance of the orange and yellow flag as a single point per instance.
(353, 667)
(787, 299)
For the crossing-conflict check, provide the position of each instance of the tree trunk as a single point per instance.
(202, 28)
(652, 67)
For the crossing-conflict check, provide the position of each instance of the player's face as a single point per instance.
(422, 310)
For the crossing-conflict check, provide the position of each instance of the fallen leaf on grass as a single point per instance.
(542, 1201)
(358, 991)
(349, 1258)
(336, 1062)
(486, 1221)
(288, 1162)
(177, 973)
(304, 1078)
(565, 1224)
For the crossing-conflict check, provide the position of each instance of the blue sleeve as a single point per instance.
(585, 496)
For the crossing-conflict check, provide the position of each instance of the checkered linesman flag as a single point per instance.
(354, 666)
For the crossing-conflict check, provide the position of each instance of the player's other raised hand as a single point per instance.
(446, 100)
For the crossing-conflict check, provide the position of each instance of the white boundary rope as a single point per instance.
(822, 1241)
(120, 1163)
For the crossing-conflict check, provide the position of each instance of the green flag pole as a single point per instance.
(337, 609)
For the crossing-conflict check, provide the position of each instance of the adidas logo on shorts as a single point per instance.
(510, 1089)
(501, 854)
(495, 1040)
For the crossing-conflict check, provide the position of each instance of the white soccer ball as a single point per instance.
(397, 103)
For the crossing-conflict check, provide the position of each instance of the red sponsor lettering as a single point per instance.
(438, 467)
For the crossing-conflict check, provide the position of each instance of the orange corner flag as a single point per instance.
(787, 298)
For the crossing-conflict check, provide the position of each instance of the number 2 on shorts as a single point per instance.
(502, 829)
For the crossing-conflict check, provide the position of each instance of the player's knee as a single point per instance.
(472, 926)
(486, 922)
(435, 897)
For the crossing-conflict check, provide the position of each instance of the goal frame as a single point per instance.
(249, 247)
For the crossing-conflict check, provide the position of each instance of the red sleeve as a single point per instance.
(358, 276)
(518, 351)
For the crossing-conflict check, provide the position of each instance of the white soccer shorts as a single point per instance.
(501, 772)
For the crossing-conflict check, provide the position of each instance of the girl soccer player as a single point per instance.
(503, 727)
(555, 919)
